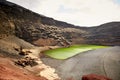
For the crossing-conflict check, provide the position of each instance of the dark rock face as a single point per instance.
(32, 27)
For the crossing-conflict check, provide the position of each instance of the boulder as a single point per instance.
(94, 77)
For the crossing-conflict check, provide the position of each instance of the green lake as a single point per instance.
(67, 52)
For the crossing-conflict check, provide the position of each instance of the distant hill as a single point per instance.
(41, 30)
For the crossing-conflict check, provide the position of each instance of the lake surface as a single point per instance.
(67, 52)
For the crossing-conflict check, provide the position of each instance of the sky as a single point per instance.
(78, 12)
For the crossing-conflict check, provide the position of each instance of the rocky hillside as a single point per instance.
(105, 34)
(41, 30)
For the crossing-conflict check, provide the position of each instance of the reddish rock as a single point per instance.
(94, 77)
(9, 71)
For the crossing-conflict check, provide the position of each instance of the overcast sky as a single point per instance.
(77, 12)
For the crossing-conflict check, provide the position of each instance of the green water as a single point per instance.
(67, 52)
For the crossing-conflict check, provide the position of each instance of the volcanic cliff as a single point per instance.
(41, 30)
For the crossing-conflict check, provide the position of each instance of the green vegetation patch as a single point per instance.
(67, 52)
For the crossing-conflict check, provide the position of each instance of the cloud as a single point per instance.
(78, 12)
